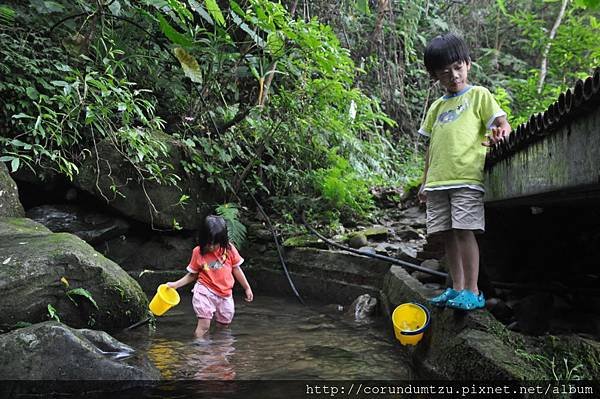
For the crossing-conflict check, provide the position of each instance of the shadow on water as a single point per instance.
(271, 338)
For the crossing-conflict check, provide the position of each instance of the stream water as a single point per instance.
(272, 338)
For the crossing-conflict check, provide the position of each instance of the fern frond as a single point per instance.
(236, 230)
(7, 15)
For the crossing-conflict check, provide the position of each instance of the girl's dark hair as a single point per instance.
(445, 50)
(213, 231)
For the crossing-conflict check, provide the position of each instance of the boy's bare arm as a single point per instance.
(241, 278)
(500, 130)
(421, 194)
(185, 280)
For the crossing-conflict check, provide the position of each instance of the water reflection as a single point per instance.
(271, 338)
(210, 356)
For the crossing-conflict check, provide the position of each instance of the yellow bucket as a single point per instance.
(164, 299)
(410, 320)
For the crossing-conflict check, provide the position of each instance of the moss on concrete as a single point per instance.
(375, 233)
(306, 240)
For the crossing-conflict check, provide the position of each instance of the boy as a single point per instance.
(453, 177)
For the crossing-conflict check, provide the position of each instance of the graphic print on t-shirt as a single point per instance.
(453, 114)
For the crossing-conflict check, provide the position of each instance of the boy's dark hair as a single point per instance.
(445, 50)
(213, 231)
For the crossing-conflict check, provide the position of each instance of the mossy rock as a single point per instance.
(582, 356)
(307, 241)
(459, 345)
(9, 195)
(358, 240)
(15, 227)
(134, 194)
(34, 261)
(372, 233)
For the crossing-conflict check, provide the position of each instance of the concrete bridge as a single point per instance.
(554, 157)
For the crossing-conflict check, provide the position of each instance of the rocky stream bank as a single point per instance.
(51, 248)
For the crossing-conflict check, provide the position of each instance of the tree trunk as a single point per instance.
(544, 66)
(383, 7)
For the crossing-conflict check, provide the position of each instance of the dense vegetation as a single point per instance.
(305, 104)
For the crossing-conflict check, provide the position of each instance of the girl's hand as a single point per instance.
(249, 295)
(172, 284)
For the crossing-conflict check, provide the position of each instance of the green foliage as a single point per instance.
(279, 144)
(83, 293)
(504, 100)
(556, 370)
(573, 54)
(258, 98)
(52, 313)
(341, 185)
(65, 110)
(7, 15)
(235, 229)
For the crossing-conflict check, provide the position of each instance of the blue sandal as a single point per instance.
(467, 300)
(444, 297)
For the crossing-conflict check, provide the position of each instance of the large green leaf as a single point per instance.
(173, 35)
(363, 5)
(201, 11)
(7, 15)
(215, 11)
(82, 292)
(190, 66)
(593, 4)
(47, 7)
(246, 28)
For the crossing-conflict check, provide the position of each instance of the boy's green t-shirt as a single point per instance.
(456, 125)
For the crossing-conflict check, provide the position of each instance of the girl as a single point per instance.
(214, 264)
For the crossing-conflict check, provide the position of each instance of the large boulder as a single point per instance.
(52, 351)
(39, 271)
(108, 175)
(9, 195)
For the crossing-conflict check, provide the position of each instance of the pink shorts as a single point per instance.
(206, 304)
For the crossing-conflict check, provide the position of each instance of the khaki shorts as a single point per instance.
(455, 208)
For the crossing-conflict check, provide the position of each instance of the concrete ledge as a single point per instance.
(274, 282)
(335, 276)
(565, 161)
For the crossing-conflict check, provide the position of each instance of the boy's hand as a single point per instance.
(249, 295)
(497, 134)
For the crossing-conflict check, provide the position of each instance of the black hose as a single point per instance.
(556, 288)
(279, 250)
(377, 256)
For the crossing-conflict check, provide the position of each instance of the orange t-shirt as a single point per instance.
(215, 269)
